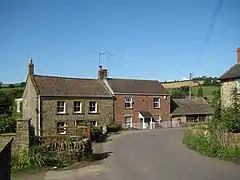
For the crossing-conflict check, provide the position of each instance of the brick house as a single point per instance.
(230, 80)
(54, 103)
(190, 110)
(138, 103)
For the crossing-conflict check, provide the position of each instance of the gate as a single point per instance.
(5, 162)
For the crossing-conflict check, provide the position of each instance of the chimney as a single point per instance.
(238, 55)
(100, 73)
(30, 68)
(105, 73)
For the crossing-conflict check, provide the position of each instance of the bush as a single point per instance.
(96, 134)
(7, 124)
(210, 146)
(114, 128)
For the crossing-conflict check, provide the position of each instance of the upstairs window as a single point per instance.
(77, 107)
(92, 107)
(156, 102)
(61, 107)
(128, 102)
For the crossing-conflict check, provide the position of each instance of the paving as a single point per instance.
(148, 155)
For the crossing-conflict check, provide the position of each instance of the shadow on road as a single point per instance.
(101, 156)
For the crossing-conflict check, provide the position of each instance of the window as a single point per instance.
(61, 107)
(93, 107)
(128, 122)
(128, 102)
(61, 128)
(156, 102)
(77, 107)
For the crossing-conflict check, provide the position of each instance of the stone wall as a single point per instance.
(21, 137)
(50, 117)
(227, 89)
(30, 104)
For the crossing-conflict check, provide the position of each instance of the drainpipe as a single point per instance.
(39, 115)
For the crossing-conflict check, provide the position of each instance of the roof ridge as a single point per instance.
(64, 77)
(134, 79)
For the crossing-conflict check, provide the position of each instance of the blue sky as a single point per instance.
(155, 39)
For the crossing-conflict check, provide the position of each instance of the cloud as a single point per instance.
(184, 78)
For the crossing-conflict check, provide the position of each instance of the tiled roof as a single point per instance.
(135, 86)
(64, 86)
(232, 73)
(190, 107)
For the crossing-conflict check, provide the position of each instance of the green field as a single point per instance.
(207, 90)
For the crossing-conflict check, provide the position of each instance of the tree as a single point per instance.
(6, 102)
(200, 92)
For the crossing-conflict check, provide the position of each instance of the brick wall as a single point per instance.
(49, 116)
(141, 103)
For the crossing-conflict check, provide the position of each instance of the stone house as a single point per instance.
(190, 110)
(138, 103)
(230, 81)
(55, 104)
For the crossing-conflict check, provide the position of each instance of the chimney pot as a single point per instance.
(238, 55)
(100, 67)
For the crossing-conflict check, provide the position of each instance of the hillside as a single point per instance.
(178, 84)
(207, 90)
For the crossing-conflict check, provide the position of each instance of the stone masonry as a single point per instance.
(227, 89)
(49, 116)
(20, 138)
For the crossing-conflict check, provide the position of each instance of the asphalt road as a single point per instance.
(160, 154)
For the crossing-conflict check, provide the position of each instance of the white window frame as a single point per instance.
(95, 111)
(128, 100)
(62, 129)
(94, 123)
(126, 122)
(78, 106)
(158, 103)
(62, 105)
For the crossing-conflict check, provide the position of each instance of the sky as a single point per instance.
(149, 39)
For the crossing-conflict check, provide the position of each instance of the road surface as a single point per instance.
(147, 155)
(160, 154)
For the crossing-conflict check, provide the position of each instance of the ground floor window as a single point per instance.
(128, 122)
(62, 128)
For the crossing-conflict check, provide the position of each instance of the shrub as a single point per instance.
(7, 124)
(210, 146)
(114, 128)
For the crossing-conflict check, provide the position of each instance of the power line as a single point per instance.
(211, 27)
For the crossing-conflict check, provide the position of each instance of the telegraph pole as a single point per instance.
(190, 86)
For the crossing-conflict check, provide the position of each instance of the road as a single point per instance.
(147, 155)
(160, 154)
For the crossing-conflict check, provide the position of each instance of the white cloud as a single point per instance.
(184, 78)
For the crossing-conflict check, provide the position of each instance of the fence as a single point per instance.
(5, 162)
(153, 125)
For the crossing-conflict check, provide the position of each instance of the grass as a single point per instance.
(10, 89)
(207, 90)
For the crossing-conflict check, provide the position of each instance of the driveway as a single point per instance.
(148, 155)
(160, 154)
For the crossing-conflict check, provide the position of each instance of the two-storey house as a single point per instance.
(138, 103)
(53, 103)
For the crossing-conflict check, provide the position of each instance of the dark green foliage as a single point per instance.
(7, 124)
(200, 92)
(180, 93)
(96, 134)
(114, 128)
(6, 102)
(208, 145)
